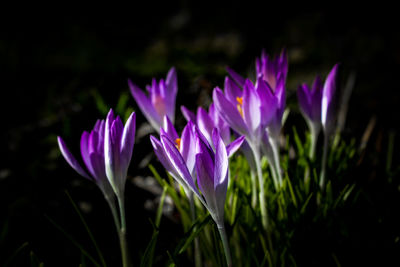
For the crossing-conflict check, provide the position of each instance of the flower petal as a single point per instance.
(128, 141)
(70, 158)
(238, 79)
(220, 123)
(178, 163)
(229, 112)
(111, 153)
(162, 157)
(234, 146)
(304, 99)
(268, 101)
(328, 100)
(251, 109)
(169, 129)
(205, 123)
(189, 116)
(85, 152)
(232, 90)
(220, 174)
(188, 147)
(205, 180)
(145, 106)
(316, 99)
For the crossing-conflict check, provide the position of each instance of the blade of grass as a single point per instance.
(103, 262)
(16, 252)
(75, 243)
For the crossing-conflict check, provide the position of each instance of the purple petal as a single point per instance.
(128, 141)
(316, 99)
(205, 180)
(328, 101)
(303, 95)
(188, 146)
(234, 146)
(145, 106)
(189, 116)
(169, 129)
(97, 162)
(251, 108)
(70, 158)
(85, 152)
(111, 152)
(229, 112)
(220, 173)
(205, 123)
(268, 101)
(220, 123)
(221, 160)
(202, 145)
(178, 163)
(232, 91)
(172, 82)
(162, 157)
(238, 79)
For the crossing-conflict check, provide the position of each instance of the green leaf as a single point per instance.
(148, 256)
(103, 262)
(16, 252)
(192, 233)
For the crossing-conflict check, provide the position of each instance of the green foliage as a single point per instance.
(299, 201)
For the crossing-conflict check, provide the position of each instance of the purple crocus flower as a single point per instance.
(329, 101)
(118, 147)
(273, 72)
(247, 112)
(185, 146)
(160, 100)
(95, 151)
(212, 174)
(310, 101)
(310, 106)
(207, 121)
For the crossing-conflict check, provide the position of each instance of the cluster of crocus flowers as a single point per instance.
(207, 121)
(199, 167)
(318, 107)
(106, 152)
(160, 100)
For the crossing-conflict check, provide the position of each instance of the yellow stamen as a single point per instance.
(178, 143)
(239, 105)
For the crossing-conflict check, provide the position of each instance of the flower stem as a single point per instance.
(322, 177)
(264, 216)
(111, 204)
(314, 131)
(253, 188)
(122, 232)
(197, 254)
(225, 244)
(275, 150)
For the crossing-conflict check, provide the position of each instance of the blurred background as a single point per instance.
(61, 70)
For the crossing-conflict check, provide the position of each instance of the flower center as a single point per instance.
(178, 143)
(239, 105)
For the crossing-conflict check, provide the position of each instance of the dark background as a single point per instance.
(55, 63)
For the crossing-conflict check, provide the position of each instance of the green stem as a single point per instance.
(253, 188)
(275, 151)
(225, 244)
(113, 208)
(264, 216)
(122, 232)
(197, 254)
(314, 131)
(322, 177)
